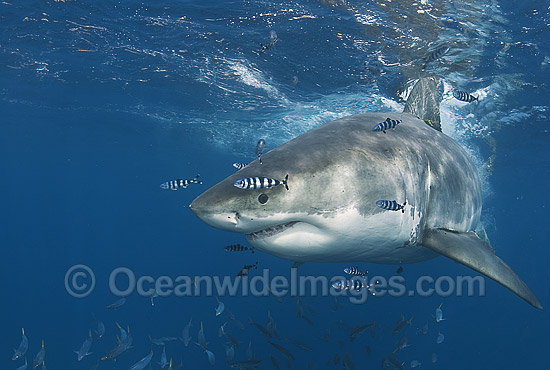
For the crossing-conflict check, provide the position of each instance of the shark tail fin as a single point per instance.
(468, 249)
(423, 101)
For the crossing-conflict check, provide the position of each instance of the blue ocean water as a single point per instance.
(103, 101)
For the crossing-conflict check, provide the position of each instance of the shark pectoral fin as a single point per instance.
(468, 249)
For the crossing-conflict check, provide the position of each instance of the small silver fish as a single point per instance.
(403, 343)
(202, 340)
(229, 352)
(39, 358)
(99, 329)
(186, 337)
(211, 357)
(262, 329)
(116, 304)
(440, 338)
(141, 364)
(285, 352)
(439, 314)
(358, 330)
(401, 323)
(220, 307)
(163, 359)
(123, 332)
(23, 347)
(24, 366)
(85, 347)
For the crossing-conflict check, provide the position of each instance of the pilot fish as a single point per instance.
(437, 53)
(238, 248)
(355, 271)
(464, 96)
(180, 183)
(386, 125)
(391, 205)
(259, 182)
(354, 284)
(23, 347)
(245, 268)
(239, 165)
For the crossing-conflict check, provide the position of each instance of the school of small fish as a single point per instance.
(232, 333)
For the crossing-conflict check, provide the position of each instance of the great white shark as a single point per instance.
(336, 174)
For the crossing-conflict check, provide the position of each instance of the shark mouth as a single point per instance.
(270, 231)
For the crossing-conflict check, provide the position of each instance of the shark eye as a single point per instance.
(263, 198)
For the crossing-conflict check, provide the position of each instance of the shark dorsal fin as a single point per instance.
(423, 102)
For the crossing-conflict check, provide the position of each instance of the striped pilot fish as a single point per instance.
(355, 271)
(435, 54)
(180, 183)
(464, 96)
(386, 125)
(391, 205)
(239, 166)
(260, 183)
(238, 248)
(354, 284)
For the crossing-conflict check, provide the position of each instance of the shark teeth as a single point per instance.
(270, 231)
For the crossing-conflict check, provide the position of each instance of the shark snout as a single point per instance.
(222, 220)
